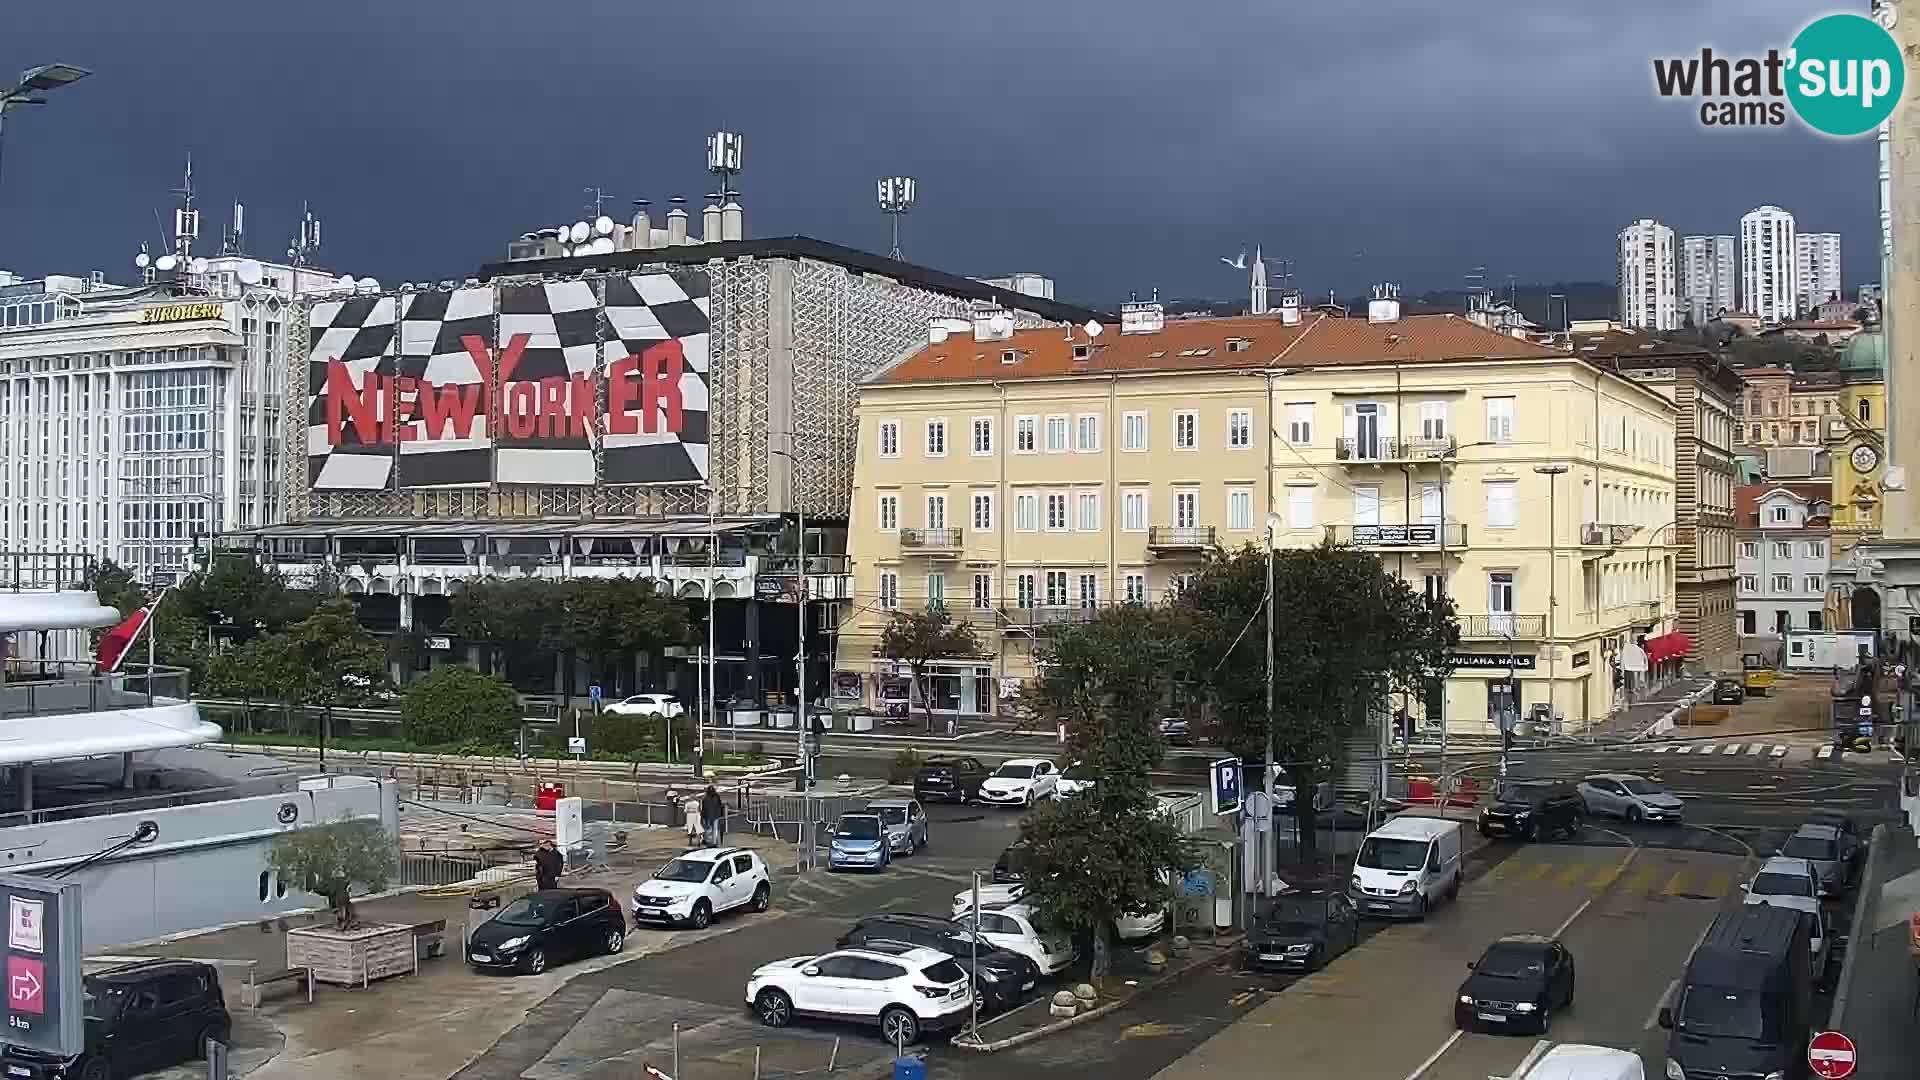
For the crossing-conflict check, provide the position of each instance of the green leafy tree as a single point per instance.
(1107, 851)
(455, 705)
(325, 660)
(918, 638)
(606, 618)
(1347, 633)
(334, 860)
(513, 617)
(115, 587)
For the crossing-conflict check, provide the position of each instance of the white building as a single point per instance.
(135, 419)
(1767, 271)
(1649, 295)
(1783, 557)
(1706, 277)
(1816, 263)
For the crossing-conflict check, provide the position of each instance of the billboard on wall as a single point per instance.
(593, 381)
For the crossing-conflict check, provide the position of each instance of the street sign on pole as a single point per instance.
(45, 1005)
(1223, 794)
(1830, 1054)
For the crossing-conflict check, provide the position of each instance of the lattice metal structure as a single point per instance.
(792, 339)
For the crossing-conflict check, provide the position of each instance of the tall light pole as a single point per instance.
(800, 652)
(32, 90)
(896, 195)
(700, 715)
(1552, 471)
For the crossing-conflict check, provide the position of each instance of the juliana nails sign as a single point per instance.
(165, 313)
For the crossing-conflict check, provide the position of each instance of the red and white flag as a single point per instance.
(115, 643)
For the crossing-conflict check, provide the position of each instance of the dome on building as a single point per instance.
(1865, 353)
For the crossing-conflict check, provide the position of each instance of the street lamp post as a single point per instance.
(1552, 471)
(711, 670)
(32, 89)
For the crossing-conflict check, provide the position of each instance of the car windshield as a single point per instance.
(1809, 847)
(1015, 772)
(1079, 772)
(690, 870)
(857, 828)
(1642, 787)
(1297, 916)
(1526, 793)
(1724, 1013)
(527, 911)
(1512, 962)
(892, 815)
(1776, 884)
(1387, 853)
(104, 1002)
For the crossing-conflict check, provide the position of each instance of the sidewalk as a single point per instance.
(1876, 1008)
(1628, 723)
(1128, 978)
(426, 1025)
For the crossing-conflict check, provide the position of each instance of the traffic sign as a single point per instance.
(1225, 789)
(44, 1003)
(1831, 1055)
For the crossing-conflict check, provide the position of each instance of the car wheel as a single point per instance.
(1546, 1017)
(762, 898)
(616, 940)
(702, 915)
(1420, 907)
(1453, 893)
(1634, 815)
(96, 1068)
(774, 1008)
(900, 1026)
(535, 962)
(215, 1032)
(1532, 833)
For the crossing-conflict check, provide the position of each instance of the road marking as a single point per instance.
(1824, 752)
(1757, 748)
(1577, 912)
(1732, 748)
(1539, 871)
(1645, 749)
(1642, 880)
(1533, 1055)
(1571, 876)
(1779, 750)
(1240, 998)
(1150, 1031)
(1663, 748)
(1435, 1056)
(1683, 749)
(1653, 1017)
(958, 879)
(1675, 884)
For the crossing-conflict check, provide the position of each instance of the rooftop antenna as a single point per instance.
(897, 195)
(233, 242)
(725, 150)
(302, 248)
(186, 220)
(600, 197)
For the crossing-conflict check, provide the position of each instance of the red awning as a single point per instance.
(1667, 646)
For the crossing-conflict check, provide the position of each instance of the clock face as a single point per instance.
(1865, 458)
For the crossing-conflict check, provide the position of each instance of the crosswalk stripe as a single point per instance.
(1675, 884)
(1779, 750)
(1732, 748)
(1539, 871)
(1824, 753)
(1645, 749)
(1642, 879)
(1683, 749)
(1757, 748)
(1571, 876)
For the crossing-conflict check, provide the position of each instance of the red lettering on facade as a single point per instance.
(346, 403)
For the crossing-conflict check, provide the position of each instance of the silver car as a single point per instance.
(905, 822)
(1634, 798)
(1820, 845)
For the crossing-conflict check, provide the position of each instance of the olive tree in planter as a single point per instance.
(332, 860)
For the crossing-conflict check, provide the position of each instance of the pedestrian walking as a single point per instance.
(547, 864)
(713, 816)
(692, 810)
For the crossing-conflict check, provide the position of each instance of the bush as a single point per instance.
(905, 764)
(459, 705)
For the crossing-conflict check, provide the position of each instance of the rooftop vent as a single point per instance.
(1142, 317)
(1385, 305)
(1238, 344)
(1081, 352)
(991, 323)
(1290, 308)
(1010, 356)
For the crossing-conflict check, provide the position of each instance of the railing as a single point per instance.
(1390, 448)
(1648, 612)
(1501, 627)
(1601, 534)
(266, 785)
(725, 557)
(1636, 613)
(54, 688)
(1399, 536)
(1181, 537)
(930, 539)
(43, 571)
(785, 565)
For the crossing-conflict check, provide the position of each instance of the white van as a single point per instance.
(1406, 866)
(1578, 1061)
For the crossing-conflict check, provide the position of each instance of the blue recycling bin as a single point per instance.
(909, 1068)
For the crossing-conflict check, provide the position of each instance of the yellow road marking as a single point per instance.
(1606, 878)
(1571, 876)
(1150, 1031)
(1539, 871)
(1240, 998)
(1721, 884)
(1642, 879)
(1676, 884)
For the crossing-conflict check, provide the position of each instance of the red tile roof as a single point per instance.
(1746, 499)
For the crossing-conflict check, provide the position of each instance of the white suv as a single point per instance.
(906, 989)
(1011, 926)
(692, 889)
(646, 705)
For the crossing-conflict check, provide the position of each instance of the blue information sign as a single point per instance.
(1225, 789)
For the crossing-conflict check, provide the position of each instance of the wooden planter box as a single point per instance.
(353, 957)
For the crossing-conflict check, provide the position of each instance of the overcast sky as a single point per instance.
(1115, 145)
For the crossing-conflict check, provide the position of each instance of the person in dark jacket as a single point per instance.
(713, 816)
(547, 864)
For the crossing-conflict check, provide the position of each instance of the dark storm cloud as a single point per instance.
(1115, 145)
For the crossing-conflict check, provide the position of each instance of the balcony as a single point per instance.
(1388, 450)
(1599, 534)
(1036, 619)
(1502, 627)
(1180, 539)
(945, 542)
(1399, 537)
(1644, 613)
(62, 688)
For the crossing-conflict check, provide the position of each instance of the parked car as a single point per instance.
(1585, 1061)
(1634, 798)
(1853, 839)
(1076, 779)
(1012, 927)
(1782, 876)
(1175, 731)
(1730, 690)
(1020, 782)
(142, 1016)
(1533, 810)
(1516, 984)
(1820, 845)
(905, 822)
(1130, 927)
(692, 889)
(905, 989)
(646, 705)
(1011, 866)
(956, 779)
(1001, 977)
(543, 927)
(859, 842)
(1303, 931)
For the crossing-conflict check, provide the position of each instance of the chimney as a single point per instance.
(1142, 317)
(733, 221)
(991, 323)
(642, 237)
(1290, 308)
(1385, 305)
(677, 223)
(710, 224)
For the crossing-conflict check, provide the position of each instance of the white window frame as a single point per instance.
(1026, 430)
(1026, 589)
(982, 598)
(1814, 583)
(1026, 511)
(1815, 549)
(1780, 515)
(1239, 429)
(1136, 587)
(1133, 432)
(889, 590)
(1512, 490)
(1750, 583)
(1783, 549)
(1083, 425)
(1433, 421)
(1191, 418)
(1086, 591)
(1086, 510)
(1243, 520)
(1129, 497)
(1749, 549)
(1063, 424)
(1057, 597)
(889, 512)
(888, 437)
(1782, 583)
(982, 425)
(936, 590)
(1500, 419)
(936, 433)
(982, 522)
(1300, 511)
(1060, 500)
(1300, 423)
(1192, 497)
(937, 510)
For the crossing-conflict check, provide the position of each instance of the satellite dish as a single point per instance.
(251, 273)
(198, 266)
(345, 282)
(165, 262)
(141, 260)
(603, 225)
(370, 283)
(601, 245)
(1093, 328)
(578, 234)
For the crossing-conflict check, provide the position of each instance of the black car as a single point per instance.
(956, 779)
(140, 1017)
(1303, 931)
(1011, 867)
(1729, 690)
(1003, 978)
(548, 926)
(1533, 810)
(1515, 986)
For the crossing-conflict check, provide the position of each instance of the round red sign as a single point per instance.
(1831, 1056)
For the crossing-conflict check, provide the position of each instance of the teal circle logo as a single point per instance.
(1845, 74)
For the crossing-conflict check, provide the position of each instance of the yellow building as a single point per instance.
(1025, 481)
(1856, 436)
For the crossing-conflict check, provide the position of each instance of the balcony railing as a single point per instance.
(43, 571)
(1499, 627)
(1454, 535)
(785, 565)
(1166, 538)
(930, 540)
(1600, 534)
(1388, 448)
(54, 688)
